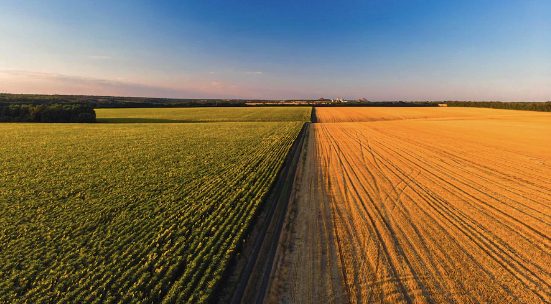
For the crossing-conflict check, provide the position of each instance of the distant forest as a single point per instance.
(528, 106)
(47, 113)
(117, 102)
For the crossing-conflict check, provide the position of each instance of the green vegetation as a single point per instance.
(528, 106)
(47, 113)
(138, 213)
(204, 114)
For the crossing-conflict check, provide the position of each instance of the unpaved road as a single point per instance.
(446, 205)
(306, 269)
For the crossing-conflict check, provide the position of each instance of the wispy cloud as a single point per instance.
(99, 57)
(19, 81)
(235, 72)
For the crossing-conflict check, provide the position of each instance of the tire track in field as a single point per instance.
(382, 167)
(379, 234)
(502, 243)
(487, 169)
(470, 196)
(473, 230)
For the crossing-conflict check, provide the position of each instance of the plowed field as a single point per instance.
(420, 205)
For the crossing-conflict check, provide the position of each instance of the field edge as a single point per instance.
(246, 280)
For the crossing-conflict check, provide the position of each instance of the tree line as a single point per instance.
(527, 106)
(118, 101)
(47, 113)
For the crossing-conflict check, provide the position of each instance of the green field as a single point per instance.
(221, 114)
(142, 212)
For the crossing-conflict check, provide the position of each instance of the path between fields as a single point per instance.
(306, 268)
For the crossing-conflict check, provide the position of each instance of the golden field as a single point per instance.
(420, 205)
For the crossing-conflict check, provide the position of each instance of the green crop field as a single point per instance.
(131, 212)
(204, 114)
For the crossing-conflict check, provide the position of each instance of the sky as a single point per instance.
(376, 49)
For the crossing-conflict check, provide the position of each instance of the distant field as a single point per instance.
(212, 114)
(420, 205)
(366, 114)
(140, 213)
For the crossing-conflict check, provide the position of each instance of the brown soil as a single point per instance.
(420, 205)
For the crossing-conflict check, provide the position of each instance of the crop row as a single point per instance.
(131, 213)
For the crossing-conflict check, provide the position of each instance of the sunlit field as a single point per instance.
(208, 114)
(424, 205)
(130, 212)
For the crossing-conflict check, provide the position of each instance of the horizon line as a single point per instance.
(265, 99)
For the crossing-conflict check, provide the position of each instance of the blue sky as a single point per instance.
(378, 49)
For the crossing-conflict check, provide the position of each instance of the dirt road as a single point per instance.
(306, 269)
(447, 205)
